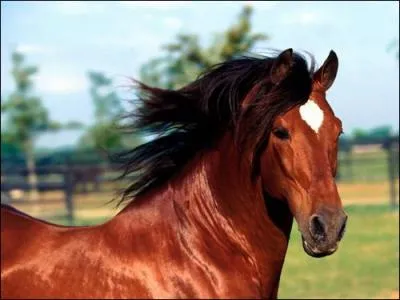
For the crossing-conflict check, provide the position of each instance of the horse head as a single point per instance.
(299, 163)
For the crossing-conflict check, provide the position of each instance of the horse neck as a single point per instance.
(223, 189)
(214, 202)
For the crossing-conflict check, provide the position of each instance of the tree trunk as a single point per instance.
(32, 177)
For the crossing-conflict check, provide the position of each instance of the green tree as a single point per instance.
(185, 59)
(376, 134)
(380, 132)
(359, 134)
(26, 117)
(106, 102)
(394, 47)
(104, 134)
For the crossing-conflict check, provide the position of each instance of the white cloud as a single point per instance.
(79, 7)
(159, 5)
(149, 16)
(34, 49)
(304, 18)
(134, 40)
(173, 23)
(56, 84)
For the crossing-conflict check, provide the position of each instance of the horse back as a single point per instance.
(8, 213)
(17, 229)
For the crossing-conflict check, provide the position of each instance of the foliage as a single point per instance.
(185, 58)
(25, 116)
(359, 133)
(106, 102)
(105, 134)
(102, 136)
(394, 47)
(374, 135)
(381, 132)
(10, 151)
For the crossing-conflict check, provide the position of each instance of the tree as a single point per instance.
(26, 117)
(104, 134)
(185, 59)
(106, 101)
(374, 135)
(359, 134)
(10, 152)
(394, 47)
(381, 132)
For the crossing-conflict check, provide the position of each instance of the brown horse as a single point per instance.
(239, 152)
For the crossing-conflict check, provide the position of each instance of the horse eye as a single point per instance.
(281, 133)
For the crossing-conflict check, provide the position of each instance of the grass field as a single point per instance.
(366, 266)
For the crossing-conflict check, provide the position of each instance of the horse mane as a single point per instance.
(236, 95)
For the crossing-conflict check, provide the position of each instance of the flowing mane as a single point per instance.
(193, 118)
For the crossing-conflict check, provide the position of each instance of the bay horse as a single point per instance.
(238, 154)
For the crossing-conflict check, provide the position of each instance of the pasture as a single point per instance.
(365, 266)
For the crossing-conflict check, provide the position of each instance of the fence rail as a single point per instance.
(377, 165)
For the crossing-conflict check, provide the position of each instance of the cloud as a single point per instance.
(159, 5)
(57, 84)
(148, 16)
(79, 7)
(34, 49)
(173, 23)
(304, 18)
(133, 40)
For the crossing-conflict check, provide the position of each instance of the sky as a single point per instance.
(68, 39)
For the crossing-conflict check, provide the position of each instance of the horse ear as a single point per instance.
(326, 75)
(281, 66)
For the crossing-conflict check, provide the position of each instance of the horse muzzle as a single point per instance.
(322, 237)
(315, 251)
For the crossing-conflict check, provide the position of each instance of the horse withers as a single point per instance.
(237, 155)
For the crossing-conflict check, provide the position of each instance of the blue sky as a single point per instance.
(66, 39)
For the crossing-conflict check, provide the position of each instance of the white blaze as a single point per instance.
(312, 114)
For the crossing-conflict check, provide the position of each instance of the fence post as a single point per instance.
(69, 191)
(391, 171)
(349, 163)
(98, 171)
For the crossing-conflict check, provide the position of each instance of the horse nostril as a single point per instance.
(342, 229)
(317, 228)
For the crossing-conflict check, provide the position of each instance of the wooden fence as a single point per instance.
(74, 175)
(14, 178)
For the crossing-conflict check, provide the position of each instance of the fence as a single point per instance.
(365, 163)
(11, 181)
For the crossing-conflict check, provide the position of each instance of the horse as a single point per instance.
(237, 155)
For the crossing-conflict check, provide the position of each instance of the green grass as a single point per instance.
(365, 266)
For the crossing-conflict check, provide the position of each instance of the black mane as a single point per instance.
(194, 117)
